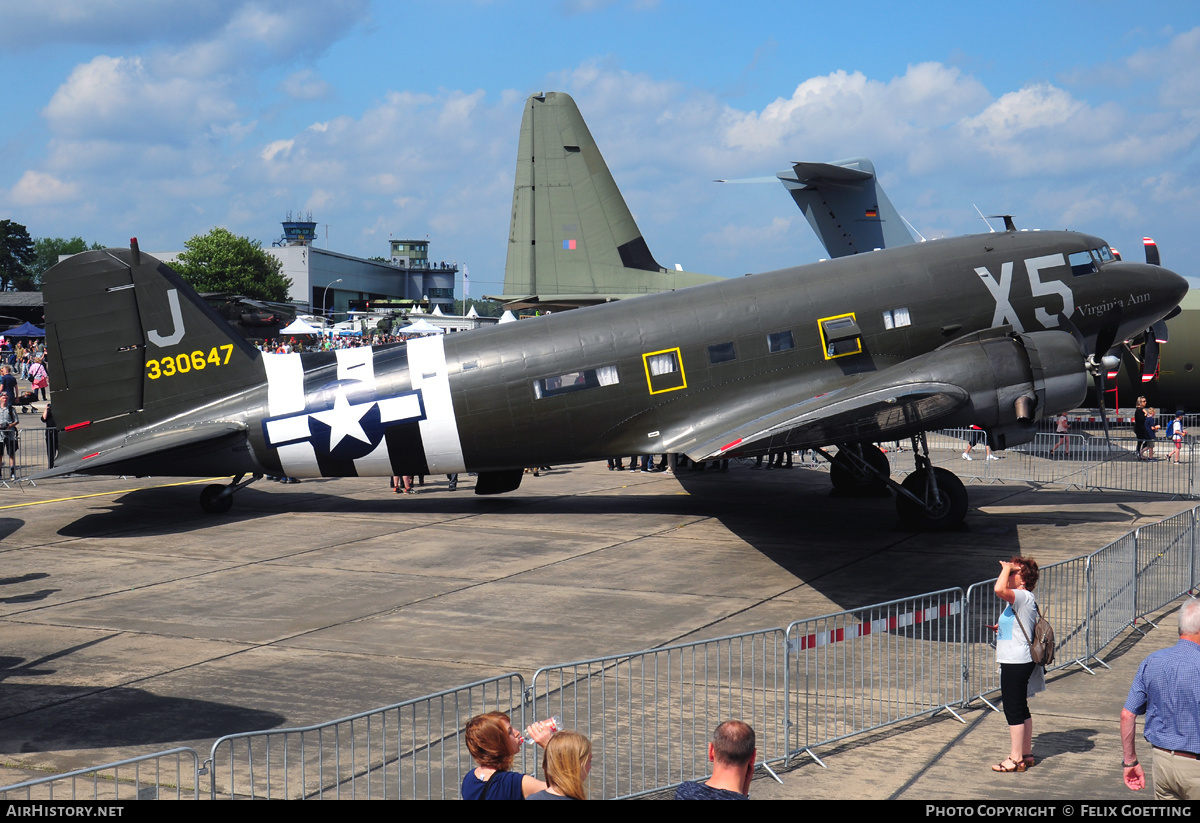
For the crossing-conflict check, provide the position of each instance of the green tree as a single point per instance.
(220, 261)
(47, 250)
(16, 253)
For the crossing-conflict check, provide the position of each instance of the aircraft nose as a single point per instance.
(1163, 288)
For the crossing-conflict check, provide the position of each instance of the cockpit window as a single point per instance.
(1105, 253)
(1082, 263)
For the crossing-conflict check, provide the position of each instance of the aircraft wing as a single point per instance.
(158, 445)
(848, 415)
(994, 379)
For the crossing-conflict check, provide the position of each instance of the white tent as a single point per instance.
(421, 327)
(507, 317)
(298, 326)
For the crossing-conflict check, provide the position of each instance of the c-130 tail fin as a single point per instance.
(572, 239)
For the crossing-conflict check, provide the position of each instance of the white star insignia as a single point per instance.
(343, 420)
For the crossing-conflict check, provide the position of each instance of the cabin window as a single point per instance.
(575, 381)
(840, 336)
(664, 371)
(896, 318)
(1082, 263)
(780, 341)
(721, 353)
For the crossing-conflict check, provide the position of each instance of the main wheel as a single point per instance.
(850, 479)
(212, 501)
(946, 512)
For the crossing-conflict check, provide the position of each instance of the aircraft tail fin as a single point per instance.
(846, 206)
(131, 345)
(571, 231)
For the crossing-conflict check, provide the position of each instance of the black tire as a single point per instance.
(947, 513)
(850, 480)
(212, 501)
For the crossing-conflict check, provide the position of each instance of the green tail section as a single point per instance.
(572, 234)
(130, 346)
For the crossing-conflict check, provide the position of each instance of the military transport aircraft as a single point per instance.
(997, 330)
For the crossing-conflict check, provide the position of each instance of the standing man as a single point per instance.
(732, 754)
(1166, 689)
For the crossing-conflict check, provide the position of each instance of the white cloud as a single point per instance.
(38, 189)
(306, 84)
(276, 148)
(118, 97)
(828, 112)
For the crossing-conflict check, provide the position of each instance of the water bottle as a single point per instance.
(555, 724)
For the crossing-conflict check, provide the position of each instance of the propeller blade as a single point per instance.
(1066, 325)
(1107, 334)
(1159, 330)
(1151, 251)
(1150, 362)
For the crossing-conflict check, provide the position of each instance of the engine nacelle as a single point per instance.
(1013, 380)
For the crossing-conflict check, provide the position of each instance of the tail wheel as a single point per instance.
(213, 501)
(851, 479)
(945, 511)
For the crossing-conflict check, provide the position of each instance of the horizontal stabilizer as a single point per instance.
(846, 206)
(163, 446)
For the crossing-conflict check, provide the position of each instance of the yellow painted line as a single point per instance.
(119, 491)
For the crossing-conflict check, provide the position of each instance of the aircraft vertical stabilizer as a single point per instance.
(132, 346)
(846, 206)
(572, 238)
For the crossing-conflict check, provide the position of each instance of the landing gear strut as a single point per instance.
(929, 499)
(218, 499)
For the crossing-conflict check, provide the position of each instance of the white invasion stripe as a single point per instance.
(394, 409)
(299, 460)
(439, 430)
(357, 364)
(285, 384)
(375, 464)
(286, 429)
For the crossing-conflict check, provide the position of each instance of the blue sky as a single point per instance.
(163, 119)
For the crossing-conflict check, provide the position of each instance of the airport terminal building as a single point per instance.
(328, 281)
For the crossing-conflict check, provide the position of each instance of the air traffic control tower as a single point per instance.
(436, 278)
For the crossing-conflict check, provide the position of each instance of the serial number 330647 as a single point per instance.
(186, 362)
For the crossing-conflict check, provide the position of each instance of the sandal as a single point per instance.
(1007, 766)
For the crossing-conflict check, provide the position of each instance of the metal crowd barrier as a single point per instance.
(406, 751)
(1081, 460)
(149, 777)
(1123, 470)
(1165, 566)
(859, 670)
(651, 714)
(1111, 587)
(34, 450)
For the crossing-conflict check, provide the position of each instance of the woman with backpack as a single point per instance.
(1018, 578)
